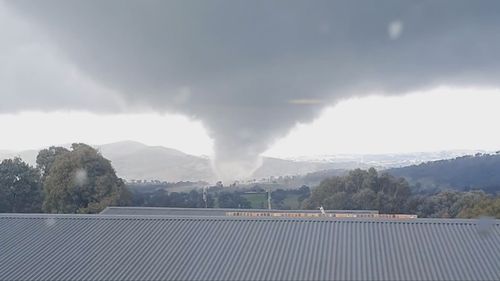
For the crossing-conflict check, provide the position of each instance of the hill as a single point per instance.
(481, 171)
(281, 167)
(134, 160)
(29, 156)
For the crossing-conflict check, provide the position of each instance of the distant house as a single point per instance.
(192, 247)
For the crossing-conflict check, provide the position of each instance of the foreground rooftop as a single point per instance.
(138, 247)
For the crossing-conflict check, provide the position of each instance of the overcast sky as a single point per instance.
(412, 123)
(236, 79)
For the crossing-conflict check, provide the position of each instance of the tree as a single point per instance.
(304, 193)
(278, 197)
(446, 204)
(46, 158)
(361, 190)
(20, 187)
(487, 207)
(462, 173)
(82, 181)
(233, 200)
(365, 199)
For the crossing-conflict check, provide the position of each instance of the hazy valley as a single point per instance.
(137, 161)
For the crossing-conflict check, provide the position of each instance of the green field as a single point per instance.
(257, 200)
(291, 202)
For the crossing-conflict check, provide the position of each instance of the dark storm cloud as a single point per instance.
(251, 69)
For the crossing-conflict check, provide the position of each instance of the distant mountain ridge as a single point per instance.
(137, 161)
(481, 171)
(28, 156)
(133, 160)
(390, 160)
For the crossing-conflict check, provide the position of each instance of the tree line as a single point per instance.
(480, 171)
(75, 180)
(369, 190)
(81, 180)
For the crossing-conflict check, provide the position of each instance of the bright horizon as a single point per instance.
(439, 119)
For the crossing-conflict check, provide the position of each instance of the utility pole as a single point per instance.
(269, 198)
(205, 199)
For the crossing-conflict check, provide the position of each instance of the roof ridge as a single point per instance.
(234, 209)
(235, 218)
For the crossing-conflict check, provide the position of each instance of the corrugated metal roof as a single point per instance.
(209, 211)
(107, 247)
